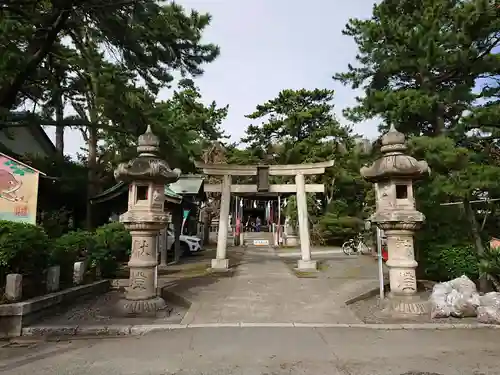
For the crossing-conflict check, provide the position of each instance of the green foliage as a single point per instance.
(184, 124)
(419, 61)
(489, 265)
(446, 262)
(18, 169)
(55, 222)
(336, 230)
(24, 249)
(113, 244)
(151, 39)
(457, 171)
(68, 248)
(299, 126)
(106, 61)
(291, 210)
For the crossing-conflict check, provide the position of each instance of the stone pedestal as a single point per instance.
(140, 296)
(220, 264)
(401, 262)
(403, 298)
(307, 265)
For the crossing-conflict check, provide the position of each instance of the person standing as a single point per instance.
(257, 224)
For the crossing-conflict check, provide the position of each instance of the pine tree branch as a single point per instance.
(8, 94)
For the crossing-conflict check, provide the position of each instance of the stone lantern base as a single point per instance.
(155, 307)
(404, 306)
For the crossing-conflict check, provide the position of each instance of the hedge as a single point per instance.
(26, 249)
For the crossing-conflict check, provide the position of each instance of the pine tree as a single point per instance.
(431, 68)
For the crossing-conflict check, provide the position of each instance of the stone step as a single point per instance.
(258, 234)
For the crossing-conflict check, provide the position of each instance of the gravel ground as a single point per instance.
(98, 310)
(369, 311)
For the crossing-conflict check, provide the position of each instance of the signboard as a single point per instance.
(263, 178)
(261, 242)
(18, 191)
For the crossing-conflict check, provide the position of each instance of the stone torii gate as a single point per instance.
(263, 172)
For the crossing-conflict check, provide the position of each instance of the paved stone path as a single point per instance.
(265, 351)
(265, 290)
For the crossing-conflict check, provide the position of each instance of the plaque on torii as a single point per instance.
(262, 178)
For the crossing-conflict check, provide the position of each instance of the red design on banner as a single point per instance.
(21, 210)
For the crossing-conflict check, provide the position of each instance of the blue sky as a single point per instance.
(267, 46)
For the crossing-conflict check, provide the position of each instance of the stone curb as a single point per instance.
(285, 254)
(368, 294)
(124, 330)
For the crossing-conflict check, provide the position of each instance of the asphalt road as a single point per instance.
(259, 351)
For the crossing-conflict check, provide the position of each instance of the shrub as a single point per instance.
(335, 230)
(54, 222)
(68, 249)
(24, 249)
(112, 247)
(446, 262)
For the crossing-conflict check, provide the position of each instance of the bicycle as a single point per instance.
(355, 245)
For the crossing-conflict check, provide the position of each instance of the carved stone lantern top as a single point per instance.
(394, 163)
(147, 166)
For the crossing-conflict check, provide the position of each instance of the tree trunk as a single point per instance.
(60, 140)
(92, 187)
(59, 118)
(207, 221)
(91, 183)
(476, 235)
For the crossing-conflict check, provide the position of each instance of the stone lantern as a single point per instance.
(147, 175)
(396, 214)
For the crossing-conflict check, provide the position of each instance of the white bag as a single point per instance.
(463, 285)
(439, 305)
(466, 305)
(458, 298)
(489, 310)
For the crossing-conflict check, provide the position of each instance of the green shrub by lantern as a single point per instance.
(69, 248)
(112, 247)
(24, 249)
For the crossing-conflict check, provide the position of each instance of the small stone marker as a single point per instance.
(78, 272)
(53, 275)
(14, 287)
